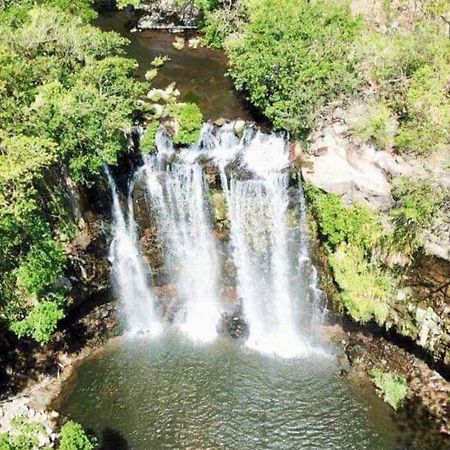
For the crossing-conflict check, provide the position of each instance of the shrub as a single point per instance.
(73, 437)
(375, 124)
(41, 321)
(417, 204)
(25, 435)
(356, 224)
(393, 389)
(189, 121)
(365, 290)
(410, 69)
(293, 66)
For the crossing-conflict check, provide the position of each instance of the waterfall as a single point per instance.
(264, 249)
(177, 198)
(128, 272)
(275, 280)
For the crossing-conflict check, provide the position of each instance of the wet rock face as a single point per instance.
(168, 15)
(232, 324)
(428, 391)
(421, 311)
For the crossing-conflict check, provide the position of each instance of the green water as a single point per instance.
(171, 394)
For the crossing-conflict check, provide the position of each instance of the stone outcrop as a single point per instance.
(338, 163)
(169, 15)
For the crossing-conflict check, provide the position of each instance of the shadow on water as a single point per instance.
(113, 440)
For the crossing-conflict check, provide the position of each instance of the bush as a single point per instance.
(410, 69)
(41, 321)
(374, 124)
(189, 121)
(24, 436)
(393, 389)
(73, 437)
(417, 204)
(291, 67)
(148, 140)
(356, 224)
(365, 289)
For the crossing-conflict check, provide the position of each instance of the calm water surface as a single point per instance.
(198, 73)
(169, 393)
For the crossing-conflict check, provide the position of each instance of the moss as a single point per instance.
(393, 389)
(148, 140)
(189, 120)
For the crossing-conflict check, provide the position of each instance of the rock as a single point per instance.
(194, 42)
(179, 43)
(154, 95)
(151, 74)
(239, 127)
(345, 170)
(219, 122)
(171, 15)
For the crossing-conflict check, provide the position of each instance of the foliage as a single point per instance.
(189, 121)
(417, 204)
(24, 436)
(73, 437)
(356, 224)
(222, 23)
(410, 69)
(67, 98)
(121, 4)
(41, 321)
(292, 67)
(365, 289)
(148, 143)
(374, 124)
(393, 389)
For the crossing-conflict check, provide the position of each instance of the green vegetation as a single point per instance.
(292, 67)
(352, 235)
(67, 97)
(410, 70)
(320, 54)
(417, 204)
(73, 437)
(375, 124)
(366, 290)
(24, 435)
(27, 435)
(189, 120)
(393, 389)
(356, 225)
(148, 143)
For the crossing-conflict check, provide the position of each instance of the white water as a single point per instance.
(264, 249)
(129, 275)
(276, 281)
(177, 198)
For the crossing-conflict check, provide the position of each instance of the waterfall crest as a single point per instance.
(129, 275)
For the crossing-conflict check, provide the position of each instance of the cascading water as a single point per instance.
(177, 198)
(264, 249)
(129, 275)
(276, 282)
